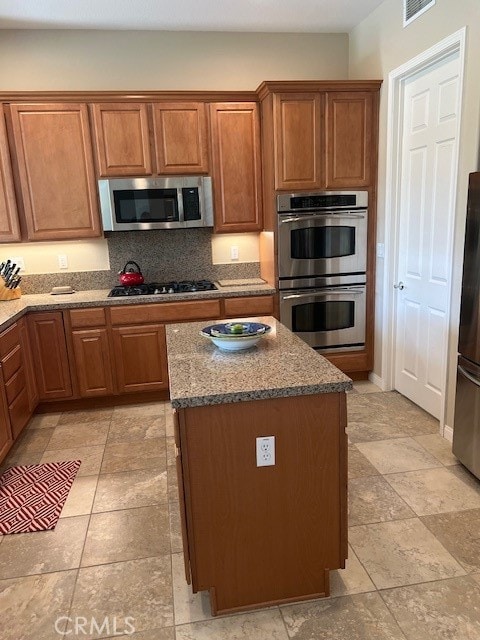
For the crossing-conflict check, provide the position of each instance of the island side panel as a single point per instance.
(262, 535)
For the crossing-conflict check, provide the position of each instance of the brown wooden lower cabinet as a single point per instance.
(93, 363)
(140, 358)
(109, 351)
(49, 350)
(257, 536)
(16, 383)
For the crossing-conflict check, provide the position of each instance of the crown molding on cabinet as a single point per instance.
(128, 96)
(269, 86)
(301, 86)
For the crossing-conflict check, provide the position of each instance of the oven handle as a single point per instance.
(323, 216)
(335, 291)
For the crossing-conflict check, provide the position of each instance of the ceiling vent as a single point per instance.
(415, 8)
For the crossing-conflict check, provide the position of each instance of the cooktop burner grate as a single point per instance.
(156, 288)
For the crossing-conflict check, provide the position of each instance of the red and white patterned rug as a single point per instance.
(32, 496)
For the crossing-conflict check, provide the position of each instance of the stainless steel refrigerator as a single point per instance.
(466, 433)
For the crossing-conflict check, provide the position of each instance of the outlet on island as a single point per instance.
(265, 451)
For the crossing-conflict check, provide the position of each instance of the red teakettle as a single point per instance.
(130, 276)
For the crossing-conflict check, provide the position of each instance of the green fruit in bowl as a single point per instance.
(236, 328)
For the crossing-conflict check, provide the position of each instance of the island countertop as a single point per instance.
(281, 365)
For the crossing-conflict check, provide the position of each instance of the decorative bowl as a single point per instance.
(222, 336)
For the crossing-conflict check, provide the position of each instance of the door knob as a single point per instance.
(400, 286)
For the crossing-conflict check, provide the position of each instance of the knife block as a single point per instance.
(9, 294)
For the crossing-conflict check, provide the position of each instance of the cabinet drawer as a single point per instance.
(15, 385)
(19, 413)
(9, 339)
(12, 363)
(251, 306)
(87, 317)
(166, 312)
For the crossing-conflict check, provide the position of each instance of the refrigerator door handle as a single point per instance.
(467, 375)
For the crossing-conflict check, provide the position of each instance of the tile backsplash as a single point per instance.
(176, 254)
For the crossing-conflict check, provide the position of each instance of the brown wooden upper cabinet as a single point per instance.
(349, 142)
(125, 138)
(298, 126)
(236, 170)
(122, 139)
(9, 226)
(319, 135)
(180, 137)
(53, 151)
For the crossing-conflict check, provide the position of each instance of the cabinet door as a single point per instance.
(180, 134)
(93, 362)
(298, 127)
(236, 167)
(49, 349)
(6, 439)
(349, 139)
(9, 226)
(122, 139)
(140, 358)
(55, 165)
(32, 390)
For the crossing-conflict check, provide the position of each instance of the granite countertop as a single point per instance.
(280, 365)
(11, 310)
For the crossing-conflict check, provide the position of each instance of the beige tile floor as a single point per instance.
(413, 571)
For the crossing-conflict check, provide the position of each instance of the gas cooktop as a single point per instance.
(156, 288)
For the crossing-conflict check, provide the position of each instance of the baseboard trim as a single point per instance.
(448, 433)
(380, 382)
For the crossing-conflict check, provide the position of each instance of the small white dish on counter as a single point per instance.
(58, 291)
(224, 336)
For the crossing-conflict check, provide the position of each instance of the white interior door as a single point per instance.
(431, 103)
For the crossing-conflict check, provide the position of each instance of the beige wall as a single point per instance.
(379, 45)
(122, 60)
(70, 60)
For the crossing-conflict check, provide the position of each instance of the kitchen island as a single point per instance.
(253, 535)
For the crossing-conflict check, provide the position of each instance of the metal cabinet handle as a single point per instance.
(400, 286)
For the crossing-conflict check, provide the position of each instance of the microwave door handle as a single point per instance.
(322, 216)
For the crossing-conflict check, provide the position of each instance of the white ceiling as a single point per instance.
(327, 16)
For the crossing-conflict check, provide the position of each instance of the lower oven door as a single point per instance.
(331, 319)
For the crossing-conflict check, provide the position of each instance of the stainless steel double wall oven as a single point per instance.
(322, 261)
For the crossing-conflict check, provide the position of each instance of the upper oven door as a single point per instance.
(317, 244)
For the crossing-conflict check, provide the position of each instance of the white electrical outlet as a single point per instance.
(380, 250)
(266, 451)
(234, 253)
(62, 261)
(20, 262)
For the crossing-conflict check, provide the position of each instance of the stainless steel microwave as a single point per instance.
(137, 204)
